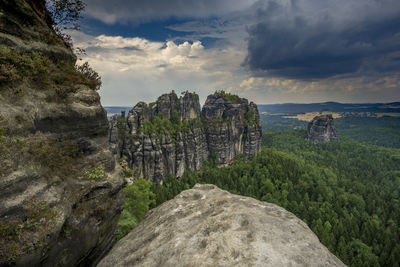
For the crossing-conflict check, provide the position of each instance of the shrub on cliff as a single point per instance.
(64, 15)
(15, 66)
(234, 99)
(20, 68)
(89, 76)
(138, 199)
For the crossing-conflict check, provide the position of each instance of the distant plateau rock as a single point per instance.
(322, 129)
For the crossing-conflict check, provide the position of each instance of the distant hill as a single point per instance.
(291, 108)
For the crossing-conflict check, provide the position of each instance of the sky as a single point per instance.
(268, 51)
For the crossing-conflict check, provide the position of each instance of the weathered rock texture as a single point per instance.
(172, 134)
(206, 226)
(321, 129)
(232, 127)
(54, 211)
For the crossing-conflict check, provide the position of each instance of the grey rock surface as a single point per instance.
(207, 226)
(322, 129)
(232, 127)
(223, 128)
(51, 217)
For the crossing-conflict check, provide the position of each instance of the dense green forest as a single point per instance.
(347, 192)
(383, 131)
(279, 123)
(138, 199)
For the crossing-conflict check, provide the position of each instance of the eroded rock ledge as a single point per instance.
(207, 226)
(173, 134)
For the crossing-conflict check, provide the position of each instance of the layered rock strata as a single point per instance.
(61, 192)
(207, 226)
(321, 129)
(232, 127)
(173, 134)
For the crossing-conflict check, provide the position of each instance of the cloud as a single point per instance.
(152, 68)
(148, 10)
(352, 89)
(313, 39)
(228, 29)
(295, 51)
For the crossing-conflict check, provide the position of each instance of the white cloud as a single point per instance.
(346, 89)
(135, 69)
(230, 29)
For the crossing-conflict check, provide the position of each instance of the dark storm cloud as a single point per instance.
(132, 48)
(148, 10)
(97, 49)
(310, 40)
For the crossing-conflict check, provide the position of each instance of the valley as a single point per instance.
(176, 182)
(346, 191)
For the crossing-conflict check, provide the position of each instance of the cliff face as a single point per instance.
(172, 134)
(23, 25)
(322, 129)
(232, 127)
(61, 194)
(216, 228)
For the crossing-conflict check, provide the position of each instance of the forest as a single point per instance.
(384, 131)
(381, 131)
(347, 192)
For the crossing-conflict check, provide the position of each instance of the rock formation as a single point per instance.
(206, 226)
(61, 195)
(172, 134)
(321, 129)
(232, 127)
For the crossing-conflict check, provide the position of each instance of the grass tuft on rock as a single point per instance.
(39, 72)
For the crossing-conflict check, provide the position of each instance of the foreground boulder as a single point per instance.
(207, 226)
(322, 129)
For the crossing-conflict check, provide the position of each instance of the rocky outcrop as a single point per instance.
(206, 226)
(321, 129)
(61, 190)
(232, 127)
(24, 25)
(173, 134)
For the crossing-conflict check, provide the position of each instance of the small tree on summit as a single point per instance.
(65, 13)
